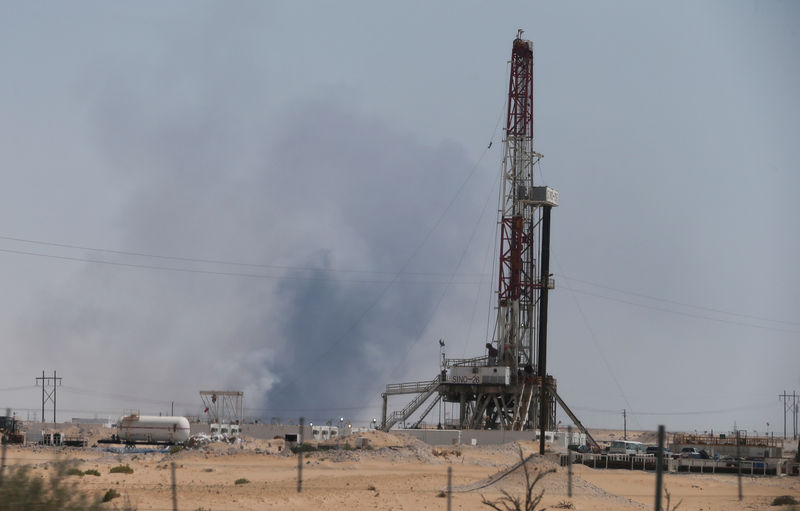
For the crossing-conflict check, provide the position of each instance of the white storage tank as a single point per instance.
(153, 429)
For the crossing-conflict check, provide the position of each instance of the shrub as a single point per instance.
(92, 472)
(307, 448)
(529, 501)
(785, 500)
(74, 472)
(668, 496)
(121, 469)
(175, 449)
(22, 489)
(241, 480)
(110, 495)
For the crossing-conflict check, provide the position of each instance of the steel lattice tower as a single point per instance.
(517, 279)
(509, 388)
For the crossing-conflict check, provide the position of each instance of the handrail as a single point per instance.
(414, 387)
(403, 414)
(426, 412)
(467, 362)
(729, 439)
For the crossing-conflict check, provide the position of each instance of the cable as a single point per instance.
(495, 269)
(487, 255)
(682, 304)
(24, 387)
(396, 276)
(541, 173)
(233, 274)
(698, 412)
(108, 395)
(447, 285)
(367, 281)
(593, 337)
(688, 314)
(196, 260)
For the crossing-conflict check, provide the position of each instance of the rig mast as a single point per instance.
(509, 388)
(518, 282)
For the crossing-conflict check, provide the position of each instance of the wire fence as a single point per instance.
(170, 486)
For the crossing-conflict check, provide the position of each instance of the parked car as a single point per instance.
(654, 451)
(691, 452)
(731, 461)
(579, 448)
(626, 447)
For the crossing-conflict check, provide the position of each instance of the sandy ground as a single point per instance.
(399, 473)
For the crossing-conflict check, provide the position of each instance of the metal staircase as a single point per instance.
(523, 406)
(425, 392)
(426, 412)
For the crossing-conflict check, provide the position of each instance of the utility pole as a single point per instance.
(47, 381)
(624, 424)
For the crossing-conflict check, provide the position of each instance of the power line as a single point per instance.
(760, 406)
(237, 274)
(146, 400)
(448, 280)
(197, 260)
(447, 286)
(14, 389)
(683, 313)
(593, 337)
(675, 302)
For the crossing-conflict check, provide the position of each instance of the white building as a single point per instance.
(323, 433)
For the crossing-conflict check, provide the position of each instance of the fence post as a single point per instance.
(174, 489)
(569, 463)
(738, 465)
(300, 456)
(3, 460)
(659, 466)
(449, 486)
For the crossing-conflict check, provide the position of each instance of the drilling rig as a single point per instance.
(507, 388)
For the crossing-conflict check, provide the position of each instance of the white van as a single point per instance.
(627, 447)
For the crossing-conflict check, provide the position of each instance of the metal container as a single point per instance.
(153, 429)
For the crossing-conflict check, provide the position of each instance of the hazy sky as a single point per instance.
(296, 199)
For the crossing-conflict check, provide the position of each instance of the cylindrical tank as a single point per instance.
(153, 429)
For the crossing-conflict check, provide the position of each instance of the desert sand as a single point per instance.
(397, 473)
